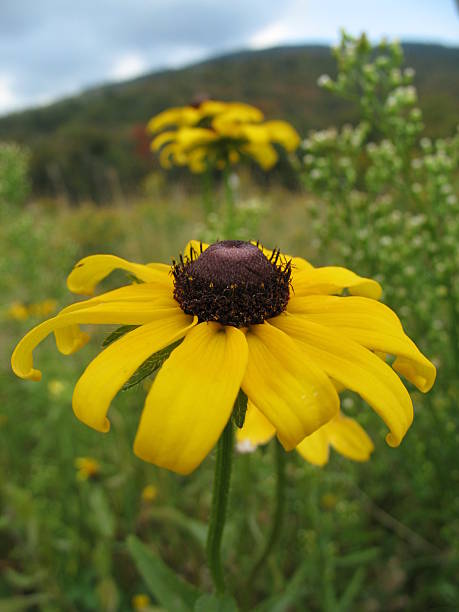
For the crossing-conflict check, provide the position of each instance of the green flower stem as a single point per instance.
(278, 513)
(219, 504)
(207, 203)
(229, 206)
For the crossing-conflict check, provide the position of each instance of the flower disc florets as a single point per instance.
(232, 282)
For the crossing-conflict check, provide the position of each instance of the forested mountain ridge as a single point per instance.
(101, 128)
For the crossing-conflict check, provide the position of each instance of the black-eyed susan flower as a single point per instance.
(234, 316)
(217, 134)
(341, 433)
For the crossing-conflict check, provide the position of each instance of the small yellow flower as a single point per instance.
(56, 387)
(18, 311)
(87, 468)
(141, 601)
(149, 493)
(236, 316)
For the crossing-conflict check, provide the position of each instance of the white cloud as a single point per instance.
(8, 100)
(128, 66)
(271, 36)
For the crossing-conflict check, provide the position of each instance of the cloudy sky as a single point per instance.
(53, 48)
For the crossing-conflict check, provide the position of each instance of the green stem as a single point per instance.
(278, 513)
(219, 504)
(229, 206)
(207, 193)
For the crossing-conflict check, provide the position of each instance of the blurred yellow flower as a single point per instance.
(343, 434)
(231, 316)
(140, 601)
(87, 468)
(149, 493)
(328, 501)
(18, 311)
(56, 387)
(217, 134)
(42, 309)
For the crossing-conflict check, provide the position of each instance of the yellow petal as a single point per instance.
(172, 153)
(118, 313)
(357, 368)
(283, 133)
(162, 139)
(107, 373)
(292, 393)
(182, 115)
(70, 339)
(349, 438)
(209, 108)
(236, 115)
(264, 154)
(89, 271)
(330, 280)
(196, 246)
(372, 325)
(297, 262)
(257, 429)
(197, 160)
(192, 398)
(315, 448)
(190, 137)
(255, 134)
(137, 292)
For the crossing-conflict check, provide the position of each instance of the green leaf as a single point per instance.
(352, 590)
(101, 514)
(150, 365)
(193, 527)
(170, 590)
(292, 592)
(215, 603)
(358, 558)
(239, 409)
(115, 335)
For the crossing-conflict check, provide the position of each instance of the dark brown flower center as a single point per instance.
(232, 282)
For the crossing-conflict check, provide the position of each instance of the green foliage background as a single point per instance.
(380, 198)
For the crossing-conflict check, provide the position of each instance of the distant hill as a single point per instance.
(80, 142)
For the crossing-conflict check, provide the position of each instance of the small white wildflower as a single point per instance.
(245, 446)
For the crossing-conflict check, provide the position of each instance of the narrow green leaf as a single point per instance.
(358, 558)
(352, 590)
(115, 335)
(293, 590)
(150, 365)
(239, 409)
(170, 590)
(215, 603)
(193, 527)
(101, 513)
